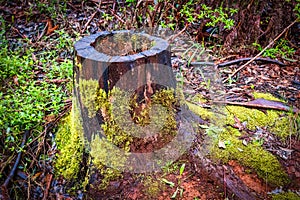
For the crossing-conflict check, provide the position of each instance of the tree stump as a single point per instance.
(135, 62)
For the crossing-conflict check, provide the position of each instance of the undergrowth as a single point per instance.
(30, 94)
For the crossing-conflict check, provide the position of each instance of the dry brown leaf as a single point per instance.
(50, 28)
(15, 78)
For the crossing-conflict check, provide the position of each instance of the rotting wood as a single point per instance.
(262, 104)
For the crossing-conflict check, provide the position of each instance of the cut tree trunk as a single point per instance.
(134, 62)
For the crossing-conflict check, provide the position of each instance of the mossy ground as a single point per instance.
(286, 196)
(252, 155)
(152, 186)
(69, 140)
(71, 145)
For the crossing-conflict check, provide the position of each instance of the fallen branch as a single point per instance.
(236, 61)
(13, 170)
(260, 53)
(22, 35)
(261, 103)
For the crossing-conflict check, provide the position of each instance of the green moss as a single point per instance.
(286, 196)
(69, 140)
(213, 114)
(202, 112)
(152, 187)
(165, 115)
(278, 122)
(109, 155)
(267, 96)
(253, 117)
(107, 159)
(253, 155)
(88, 93)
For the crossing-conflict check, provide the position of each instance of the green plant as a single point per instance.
(29, 93)
(281, 49)
(172, 184)
(169, 167)
(51, 8)
(218, 15)
(174, 14)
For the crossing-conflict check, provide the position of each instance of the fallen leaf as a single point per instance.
(240, 150)
(50, 28)
(285, 153)
(15, 78)
(245, 142)
(238, 124)
(221, 144)
(36, 175)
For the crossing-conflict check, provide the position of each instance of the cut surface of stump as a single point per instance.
(108, 56)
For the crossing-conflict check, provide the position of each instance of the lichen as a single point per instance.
(77, 63)
(69, 140)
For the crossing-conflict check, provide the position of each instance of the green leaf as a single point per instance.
(168, 182)
(174, 194)
(181, 170)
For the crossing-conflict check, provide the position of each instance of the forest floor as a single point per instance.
(194, 175)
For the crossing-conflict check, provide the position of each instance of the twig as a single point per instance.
(46, 192)
(232, 62)
(224, 182)
(89, 21)
(117, 16)
(13, 170)
(43, 33)
(171, 38)
(260, 53)
(22, 35)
